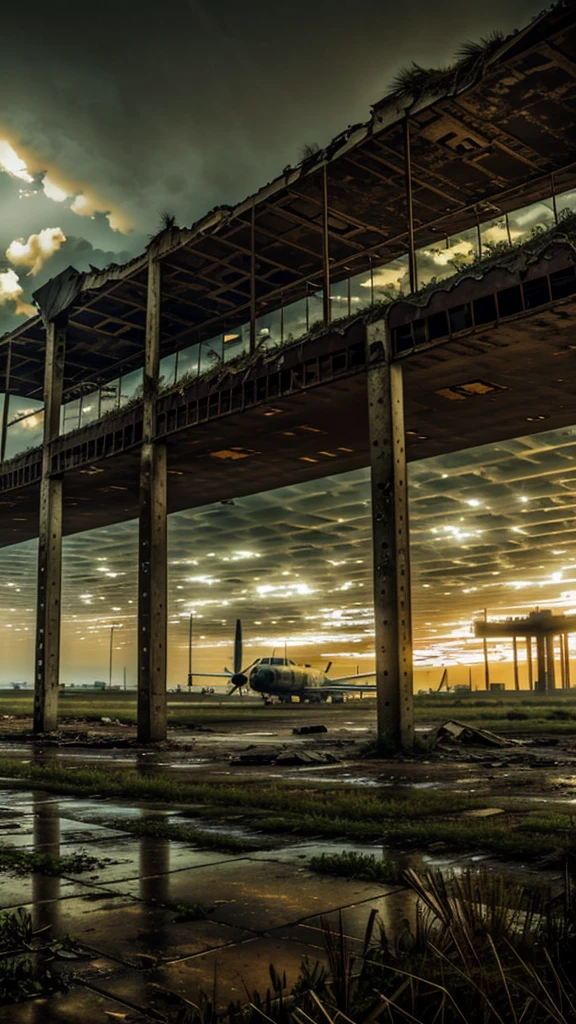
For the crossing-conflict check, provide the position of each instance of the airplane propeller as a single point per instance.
(238, 678)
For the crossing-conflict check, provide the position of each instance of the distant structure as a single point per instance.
(542, 625)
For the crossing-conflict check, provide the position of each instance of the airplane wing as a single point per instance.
(333, 690)
(346, 679)
(213, 675)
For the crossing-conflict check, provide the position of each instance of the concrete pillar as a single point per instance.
(529, 662)
(391, 543)
(49, 583)
(152, 540)
(550, 667)
(541, 683)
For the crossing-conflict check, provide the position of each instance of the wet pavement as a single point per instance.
(262, 908)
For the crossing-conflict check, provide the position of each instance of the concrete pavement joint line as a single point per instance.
(147, 1012)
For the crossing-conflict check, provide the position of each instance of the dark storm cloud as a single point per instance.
(185, 105)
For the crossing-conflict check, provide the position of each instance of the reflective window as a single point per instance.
(316, 308)
(167, 373)
(392, 280)
(295, 321)
(188, 362)
(530, 220)
(236, 342)
(210, 353)
(269, 330)
(566, 203)
(89, 407)
(109, 394)
(70, 416)
(25, 425)
(361, 291)
(131, 386)
(339, 300)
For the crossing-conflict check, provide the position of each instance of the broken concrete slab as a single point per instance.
(455, 732)
(306, 730)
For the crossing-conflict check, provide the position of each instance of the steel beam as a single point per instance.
(49, 581)
(391, 543)
(152, 539)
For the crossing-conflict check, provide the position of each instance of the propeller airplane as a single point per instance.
(282, 678)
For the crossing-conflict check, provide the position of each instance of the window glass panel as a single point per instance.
(89, 408)
(295, 321)
(391, 280)
(210, 353)
(339, 304)
(70, 416)
(236, 342)
(360, 291)
(461, 251)
(25, 425)
(188, 362)
(530, 220)
(269, 330)
(566, 203)
(167, 371)
(131, 386)
(494, 234)
(109, 397)
(316, 308)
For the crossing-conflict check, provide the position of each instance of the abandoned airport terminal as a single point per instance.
(381, 303)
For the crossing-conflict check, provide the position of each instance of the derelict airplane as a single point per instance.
(283, 678)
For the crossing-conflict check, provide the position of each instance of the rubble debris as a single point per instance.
(458, 732)
(283, 756)
(306, 730)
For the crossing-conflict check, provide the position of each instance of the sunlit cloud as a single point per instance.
(53, 191)
(12, 163)
(38, 248)
(11, 291)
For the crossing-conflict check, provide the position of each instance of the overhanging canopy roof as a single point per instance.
(500, 134)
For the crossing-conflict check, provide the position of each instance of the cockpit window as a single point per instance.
(277, 661)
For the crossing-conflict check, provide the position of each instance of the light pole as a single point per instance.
(190, 654)
(110, 665)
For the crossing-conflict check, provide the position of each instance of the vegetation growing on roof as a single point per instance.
(471, 60)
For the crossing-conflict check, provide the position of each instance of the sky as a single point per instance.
(111, 118)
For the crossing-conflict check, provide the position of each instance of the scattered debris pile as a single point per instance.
(287, 757)
(453, 732)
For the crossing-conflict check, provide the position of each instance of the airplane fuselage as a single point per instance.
(278, 677)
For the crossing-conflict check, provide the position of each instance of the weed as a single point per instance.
(356, 865)
(192, 911)
(23, 862)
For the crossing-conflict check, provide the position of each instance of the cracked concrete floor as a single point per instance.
(267, 908)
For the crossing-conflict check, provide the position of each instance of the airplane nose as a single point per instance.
(261, 677)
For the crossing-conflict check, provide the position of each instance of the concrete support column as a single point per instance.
(152, 539)
(49, 583)
(391, 543)
(541, 679)
(550, 667)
